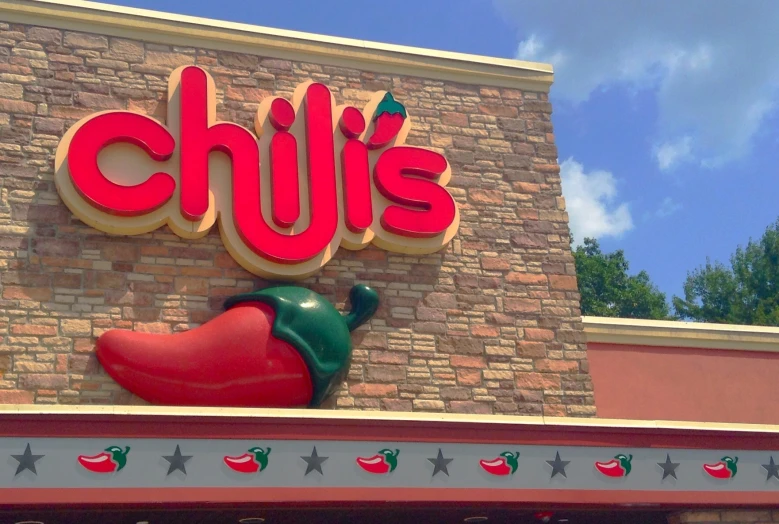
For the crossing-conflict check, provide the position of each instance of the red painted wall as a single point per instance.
(661, 383)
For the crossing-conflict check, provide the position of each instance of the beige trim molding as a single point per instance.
(172, 29)
(680, 334)
(338, 415)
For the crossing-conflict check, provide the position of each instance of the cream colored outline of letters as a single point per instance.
(220, 187)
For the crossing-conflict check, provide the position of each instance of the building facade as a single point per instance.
(486, 325)
(477, 339)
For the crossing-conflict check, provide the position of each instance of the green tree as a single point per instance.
(747, 292)
(608, 291)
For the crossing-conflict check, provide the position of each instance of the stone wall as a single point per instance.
(489, 325)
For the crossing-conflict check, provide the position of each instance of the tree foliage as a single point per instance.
(608, 291)
(747, 292)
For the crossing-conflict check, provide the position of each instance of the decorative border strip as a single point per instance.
(81, 465)
(174, 29)
(134, 463)
(634, 332)
(416, 436)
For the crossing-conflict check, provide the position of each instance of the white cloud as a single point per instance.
(669, 154)
(712, 66)
(589, 199)
(531, 48)
(667, 208)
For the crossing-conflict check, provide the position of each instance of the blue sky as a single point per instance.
(664, 111)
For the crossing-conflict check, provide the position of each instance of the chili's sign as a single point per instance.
(314, 177)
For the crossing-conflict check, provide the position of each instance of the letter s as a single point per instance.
(105, 195)
(432, 208)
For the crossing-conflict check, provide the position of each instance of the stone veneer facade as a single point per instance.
(491, 324)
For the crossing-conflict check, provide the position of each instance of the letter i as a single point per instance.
(356, 172)
(285, 188)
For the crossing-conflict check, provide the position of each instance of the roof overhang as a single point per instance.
(172, 29)
(673, 334)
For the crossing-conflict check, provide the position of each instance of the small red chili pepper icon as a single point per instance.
(619, 466)
(385, 461)
(724, 469)
(282, 346)
(255, 460)
(504, 464)
(387, 121)
(111, 460)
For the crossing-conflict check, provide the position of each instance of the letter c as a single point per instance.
(105, 195)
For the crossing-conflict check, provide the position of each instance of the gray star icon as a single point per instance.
(177, 461)
(669, 468)
(772, 469)
(440, 463)
(558, 465)
(314, 462)
(27, 460)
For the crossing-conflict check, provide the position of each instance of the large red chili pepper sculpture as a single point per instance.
(283, 346)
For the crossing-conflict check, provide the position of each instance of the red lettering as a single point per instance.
(432, 208)
(352, 123)
(323, 203)
(297, 232)
(282, 114)
(358, 212)
(285, 189)
(105, 195)
(357, 186)
(198, 140)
